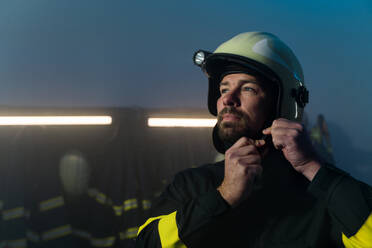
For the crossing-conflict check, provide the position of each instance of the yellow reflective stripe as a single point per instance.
(146, 204)
(103, 199)
(81, 233)
(127, 205)
(148, 222)
(363, 238)
(52, 203)
(56, 232)
(118, 210)
(129, 233)
(100, 197)
(168, 232)
(18, 243)
(13, 213)
(130, 204)
(103, 242)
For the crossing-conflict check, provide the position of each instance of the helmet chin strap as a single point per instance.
(222, 146)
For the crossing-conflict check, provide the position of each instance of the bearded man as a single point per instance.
(272, 189)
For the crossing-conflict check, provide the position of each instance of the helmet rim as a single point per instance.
(212, 67)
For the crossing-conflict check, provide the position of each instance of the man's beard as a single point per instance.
(229, 132)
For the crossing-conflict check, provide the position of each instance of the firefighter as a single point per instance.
(272, 189)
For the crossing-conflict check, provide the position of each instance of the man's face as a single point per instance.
(243, 107)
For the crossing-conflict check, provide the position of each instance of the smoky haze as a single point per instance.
(128, 53)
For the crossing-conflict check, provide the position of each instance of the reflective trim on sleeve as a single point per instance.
(146, 204)
(18, 243)
(168, 232)
(118, 210)
(130, 204)
(129, 233)
(81, 234)
(100, 197)
(148, 222)
(103, 242)
(13, 213)
(363, 238)
(56, 233)
(52, 203)
(127, 205)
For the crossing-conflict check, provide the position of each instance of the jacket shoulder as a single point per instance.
(196, 181)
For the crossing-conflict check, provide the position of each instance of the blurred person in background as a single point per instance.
(272, 189)
(321, 139)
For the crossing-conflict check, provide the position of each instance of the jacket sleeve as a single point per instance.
(349, 204)
(179, 213)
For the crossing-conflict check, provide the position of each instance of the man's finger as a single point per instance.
(267, 131)
(259, 143)
(243, 141)
(281, 122)
(246, 150)
(281, 131)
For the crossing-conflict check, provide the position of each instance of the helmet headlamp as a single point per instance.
(258, 53)
(200, 56)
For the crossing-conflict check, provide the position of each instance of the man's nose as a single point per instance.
(231, 98)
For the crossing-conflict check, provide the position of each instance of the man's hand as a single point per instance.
(242, 168)
(292, 139)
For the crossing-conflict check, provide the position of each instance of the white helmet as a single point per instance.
(264, 54)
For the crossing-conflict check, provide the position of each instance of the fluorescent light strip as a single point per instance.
(54, 120)
(181, 122)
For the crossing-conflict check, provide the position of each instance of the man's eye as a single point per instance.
(222, 91)
(247, 88)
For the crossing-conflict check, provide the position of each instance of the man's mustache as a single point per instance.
(229, 110)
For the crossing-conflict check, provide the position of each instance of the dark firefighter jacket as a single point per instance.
(334, 210)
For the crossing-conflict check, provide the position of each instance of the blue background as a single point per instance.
(138, 53)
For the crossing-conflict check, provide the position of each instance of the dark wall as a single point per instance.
(90, 186)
